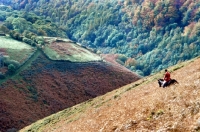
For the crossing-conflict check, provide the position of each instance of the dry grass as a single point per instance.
(138, 107)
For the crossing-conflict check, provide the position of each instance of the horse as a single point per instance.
(171, 82)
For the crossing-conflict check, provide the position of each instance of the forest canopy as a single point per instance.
(154, 33)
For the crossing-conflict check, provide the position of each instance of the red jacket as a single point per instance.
(167, 76)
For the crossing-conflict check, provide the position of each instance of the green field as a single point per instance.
(8, 43)
(70, 52)
(16, 50)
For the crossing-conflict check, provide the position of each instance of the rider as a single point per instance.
(166, 78)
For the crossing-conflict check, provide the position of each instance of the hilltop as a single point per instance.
(43, 82)
(139, 106)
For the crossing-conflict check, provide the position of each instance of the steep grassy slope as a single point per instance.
(43, 86)
(139, 106)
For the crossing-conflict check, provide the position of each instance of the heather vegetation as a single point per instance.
(141, 106)
(49, 86)
(154, 33)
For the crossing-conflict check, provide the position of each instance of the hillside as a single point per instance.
(139, 106)
(40, 76)
(41, 86)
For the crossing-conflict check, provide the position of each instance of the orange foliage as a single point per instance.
(90, 5)
(191, 29)
(130, 62)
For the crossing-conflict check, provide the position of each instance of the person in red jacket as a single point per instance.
(166, 78)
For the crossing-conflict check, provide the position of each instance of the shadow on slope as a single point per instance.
(47, 86)
(145, 108)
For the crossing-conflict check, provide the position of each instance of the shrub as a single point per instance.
(8, 61)
(130, 62)
(28, 41)
(39, 40)
(14, 34)
(11, 69)
(41, 32)
(122, 58)
(21, 24)
(14, 62)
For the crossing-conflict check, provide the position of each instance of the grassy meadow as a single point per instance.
(16, 50)
(69, 51)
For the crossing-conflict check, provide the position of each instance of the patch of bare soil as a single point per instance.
(145, 108)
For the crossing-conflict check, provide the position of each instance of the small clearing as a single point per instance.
(9, 43)
(69, 51)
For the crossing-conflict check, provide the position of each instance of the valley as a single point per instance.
(41, 87)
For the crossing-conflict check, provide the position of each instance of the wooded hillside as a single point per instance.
(155, 33)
